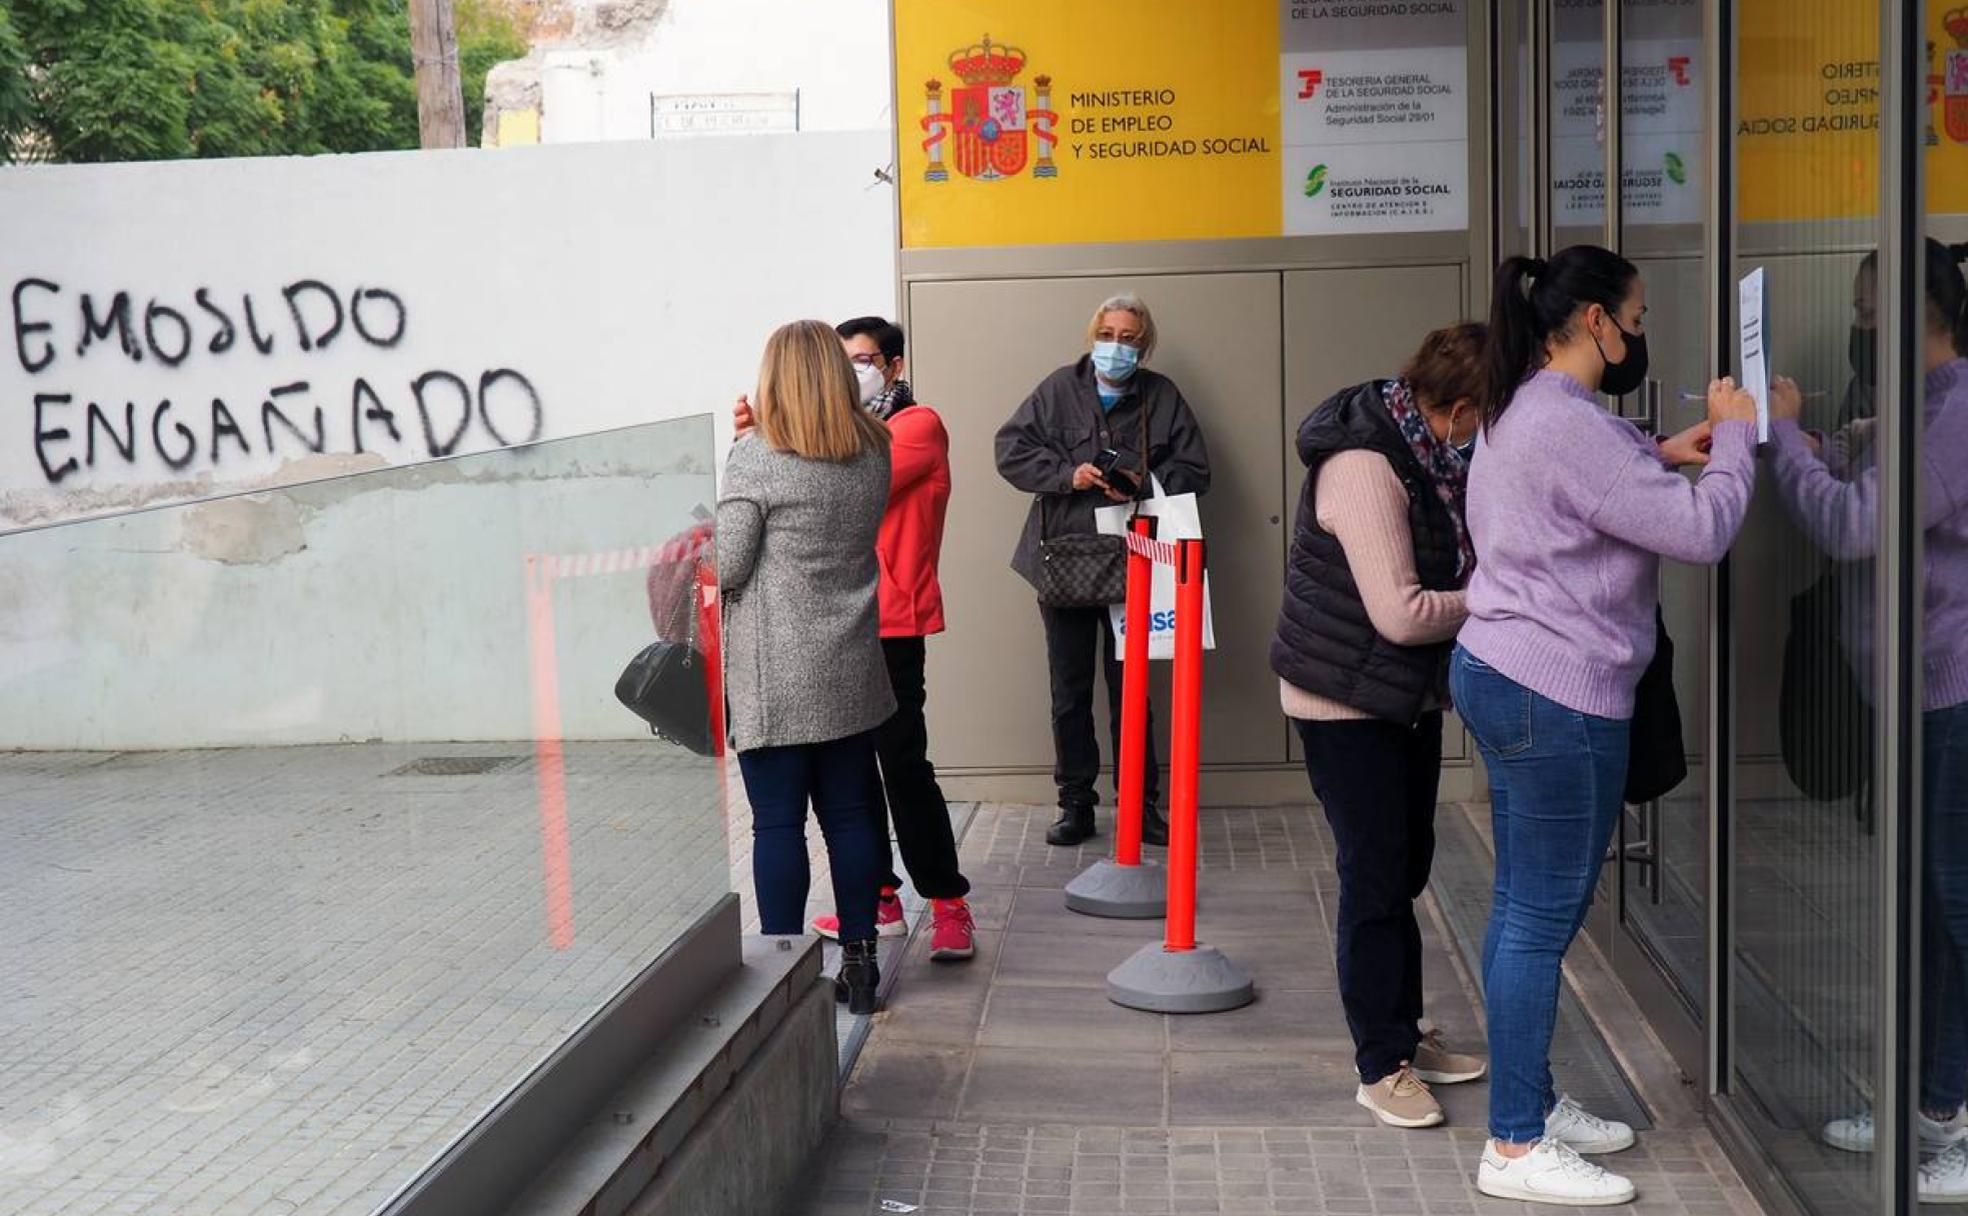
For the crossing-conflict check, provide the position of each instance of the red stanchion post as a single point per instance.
(1127, 887)
(1134, 698)
(1176, 974)
(710, 635)
(1185, 745)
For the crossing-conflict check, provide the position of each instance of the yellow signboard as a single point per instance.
(1032, 121)
(1039, 122)
(1807, 132)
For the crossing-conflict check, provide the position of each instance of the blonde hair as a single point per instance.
(1126, 302)
(807, 401)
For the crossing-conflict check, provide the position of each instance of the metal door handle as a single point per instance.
(1642, 850)
(1649, 419)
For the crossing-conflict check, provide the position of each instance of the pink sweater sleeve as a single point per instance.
(1362, 503)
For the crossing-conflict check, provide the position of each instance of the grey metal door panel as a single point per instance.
(976, 350)
(1345, 326)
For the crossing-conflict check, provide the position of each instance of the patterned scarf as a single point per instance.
(1443, 464)
(894, 398)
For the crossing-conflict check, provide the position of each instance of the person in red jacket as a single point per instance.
(910, 544)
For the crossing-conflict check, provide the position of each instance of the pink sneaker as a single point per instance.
(955, 934)
(889, 921)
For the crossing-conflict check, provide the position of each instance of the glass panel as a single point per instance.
(1804, 592)
(1661, 206)
(323, 825)
(1943, 583)
(1578, 123)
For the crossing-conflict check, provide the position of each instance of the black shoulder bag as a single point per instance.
(664, 684)
(1657, 758)
(1087, 569)
(1823, 725)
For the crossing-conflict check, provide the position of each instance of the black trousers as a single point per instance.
(915, 805)
(1377, 782)
(1075, 637)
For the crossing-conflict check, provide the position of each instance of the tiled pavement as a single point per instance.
(1011, 1084)
(282, 980)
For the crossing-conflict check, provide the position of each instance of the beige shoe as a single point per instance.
(1401, 1099)
(1437, 1065)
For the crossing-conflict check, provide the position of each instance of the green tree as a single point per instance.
(112, 80)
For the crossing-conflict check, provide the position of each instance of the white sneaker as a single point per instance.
(1854, 1134)
(1550, 1173)
(1584, 1132)
(1945, 1178)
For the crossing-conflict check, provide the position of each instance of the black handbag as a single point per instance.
(1084, 571)
(664, 685)
(1823, 725)
(1657, 759)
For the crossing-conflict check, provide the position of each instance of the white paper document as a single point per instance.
(1755, 367)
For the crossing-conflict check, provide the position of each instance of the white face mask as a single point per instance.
(871, 381)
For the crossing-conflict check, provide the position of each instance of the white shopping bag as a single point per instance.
(1176, 519)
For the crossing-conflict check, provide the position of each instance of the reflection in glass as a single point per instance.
(1831, 486)
(1807, 900)
(322, 824)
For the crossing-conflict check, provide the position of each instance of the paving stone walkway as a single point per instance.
(1011, 1085)
(270, 981)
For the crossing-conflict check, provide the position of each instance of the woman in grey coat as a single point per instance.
(1052, 449)
(804, 490)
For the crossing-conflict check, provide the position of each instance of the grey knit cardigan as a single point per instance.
(796, 562)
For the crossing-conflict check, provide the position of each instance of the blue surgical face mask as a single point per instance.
(1115, 361)
(1468, 450)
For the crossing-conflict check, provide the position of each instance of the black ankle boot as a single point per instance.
(860, 976)
(1075, 824)
(1154, 828)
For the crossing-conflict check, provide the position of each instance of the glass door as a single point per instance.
(1804, 992)
(1659, 144)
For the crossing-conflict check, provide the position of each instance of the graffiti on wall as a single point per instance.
(60, 330)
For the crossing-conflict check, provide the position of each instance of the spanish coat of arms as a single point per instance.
(991, 128)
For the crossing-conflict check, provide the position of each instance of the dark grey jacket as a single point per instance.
(796, 561)
(1061, 427)
(1326, 643)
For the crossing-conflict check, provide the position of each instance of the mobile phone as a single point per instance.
(1120, 480)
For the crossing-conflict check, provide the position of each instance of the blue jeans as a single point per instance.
(840, 780)
(1944, 910)
(1556, 779)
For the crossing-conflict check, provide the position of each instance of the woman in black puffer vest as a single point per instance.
(1373, 600)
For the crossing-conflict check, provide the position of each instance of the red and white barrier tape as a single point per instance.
(617, 561)
(1161, 552)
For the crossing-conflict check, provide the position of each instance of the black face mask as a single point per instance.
(1629, 373)
(1863, 351)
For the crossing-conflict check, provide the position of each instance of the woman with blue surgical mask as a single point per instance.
(1092, 434)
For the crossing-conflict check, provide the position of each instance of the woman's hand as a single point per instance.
(1087, 477)
(1786, 401)
(743, 418)
(1690, 447)
(1729, 403)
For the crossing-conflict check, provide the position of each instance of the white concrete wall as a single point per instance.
(834, 53)
(386, 606)
(626, 283)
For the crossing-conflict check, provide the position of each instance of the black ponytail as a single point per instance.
(1947, 290)
(1535, 300)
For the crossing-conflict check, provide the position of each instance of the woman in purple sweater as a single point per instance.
(1831, 490)
(1571, 509)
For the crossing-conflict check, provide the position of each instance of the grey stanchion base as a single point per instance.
(1202, 980)
(1121, 892)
